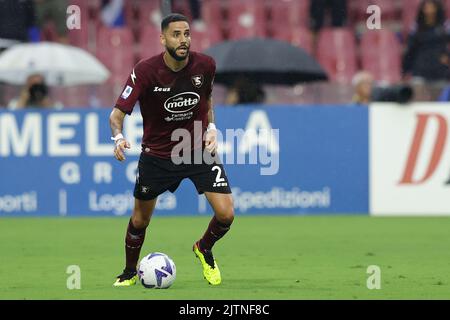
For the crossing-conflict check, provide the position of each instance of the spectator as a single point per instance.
(244, 91)
(51, 19)
(427, 55)
(318, 10)
(35, 93)
(363, 83)
(16, 21)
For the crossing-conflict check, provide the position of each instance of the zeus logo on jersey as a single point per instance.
(126, 93)
(159, 89)
(182, 102)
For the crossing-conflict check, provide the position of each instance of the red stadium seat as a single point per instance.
(381, 55)
(74, 96)
(212, 12)
(289, 13)
(85, 37)
(149, 43)
(336, 52)
(246, 18)
(389, 8)
(107, 94)
(131, 13)
(203, 38)
(447, 8)
(115, 50)
(354, 12)
(183, 7)
(80, 37)
(298, 36)
(357, 10)
(148, 12)
(409, 15)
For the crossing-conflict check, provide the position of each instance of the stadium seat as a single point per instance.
(107, 94)
(390, 9)
(381, 55)
(297, 35)
(354, 12)
(246, 18)
(80, 37)
(336, 52)
(148, 12)
(115, 50)
(357, 9)
(203, 38)
(131, 13)
(183, 7)
(85, 36)
(288, 13)
(49, 32)
(149, 43)
(74, 96)
(212, 12)
(409, 15)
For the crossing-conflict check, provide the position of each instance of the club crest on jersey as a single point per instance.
(197, 80)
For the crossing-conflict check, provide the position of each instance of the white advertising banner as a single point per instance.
(409, 159)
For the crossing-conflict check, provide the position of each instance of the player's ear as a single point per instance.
(162, 39)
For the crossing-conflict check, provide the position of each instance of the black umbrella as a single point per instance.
(264, 61)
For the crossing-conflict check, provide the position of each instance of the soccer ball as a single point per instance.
(157, 270)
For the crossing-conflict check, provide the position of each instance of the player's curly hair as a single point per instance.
(173, 17)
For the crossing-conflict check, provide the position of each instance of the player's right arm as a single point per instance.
(124, 105)
(116, 119)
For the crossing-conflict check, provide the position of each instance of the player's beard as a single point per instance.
(173, 53)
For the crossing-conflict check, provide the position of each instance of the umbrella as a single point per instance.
(264, 61)
(60, 64)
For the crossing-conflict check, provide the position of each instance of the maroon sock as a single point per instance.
(215, 231)
(133, 243)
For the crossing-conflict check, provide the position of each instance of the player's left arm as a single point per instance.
(211, 132)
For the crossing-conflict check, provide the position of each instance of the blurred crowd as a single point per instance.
(411, 45)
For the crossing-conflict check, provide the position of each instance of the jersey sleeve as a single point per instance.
(133, 88)
(212, 75)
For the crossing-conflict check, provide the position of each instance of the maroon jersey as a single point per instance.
(169, 100)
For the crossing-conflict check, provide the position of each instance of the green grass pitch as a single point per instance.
(262, 257)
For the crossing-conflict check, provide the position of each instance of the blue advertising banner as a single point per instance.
(279, 160)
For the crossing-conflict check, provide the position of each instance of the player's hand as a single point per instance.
(119, 150)
(211, 141)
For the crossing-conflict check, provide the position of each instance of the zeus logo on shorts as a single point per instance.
(126, 93)
(220, 181)
(182, 102)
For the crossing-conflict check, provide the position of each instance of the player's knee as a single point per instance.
(140, 221)
(226, 214)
